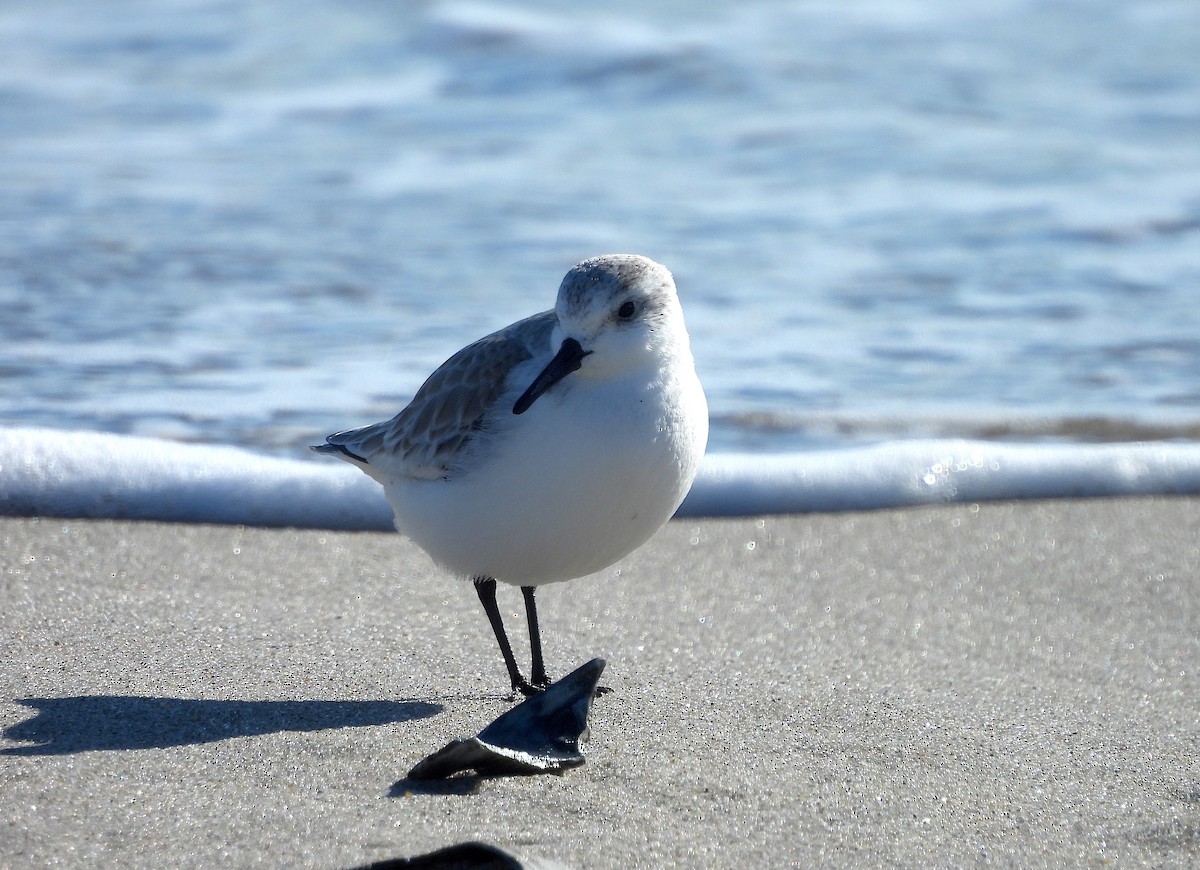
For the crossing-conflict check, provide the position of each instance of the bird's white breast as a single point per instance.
(588, 474)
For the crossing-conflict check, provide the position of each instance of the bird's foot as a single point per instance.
(529, 688)
(525, 689)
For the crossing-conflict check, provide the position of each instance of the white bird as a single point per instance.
(552, 448)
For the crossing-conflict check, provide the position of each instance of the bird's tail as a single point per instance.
(339, 450)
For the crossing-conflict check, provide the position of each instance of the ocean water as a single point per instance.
(252, 223)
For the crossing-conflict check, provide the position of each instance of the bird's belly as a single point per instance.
(558, 494)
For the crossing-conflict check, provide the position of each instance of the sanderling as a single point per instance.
(552, 448)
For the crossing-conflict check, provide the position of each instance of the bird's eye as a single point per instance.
(627, 310)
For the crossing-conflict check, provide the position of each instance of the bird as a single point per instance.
(550, 449)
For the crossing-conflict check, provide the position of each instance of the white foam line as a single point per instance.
(46, 472)
(906, 473)
(51, 473)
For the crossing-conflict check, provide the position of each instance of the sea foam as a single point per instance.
(51, 473)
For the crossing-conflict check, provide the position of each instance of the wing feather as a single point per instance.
(428, 437)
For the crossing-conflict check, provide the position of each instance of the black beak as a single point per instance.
(568, 359)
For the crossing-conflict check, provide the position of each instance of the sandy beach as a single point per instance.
(1008, 684)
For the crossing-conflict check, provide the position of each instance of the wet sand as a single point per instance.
(1010, 684)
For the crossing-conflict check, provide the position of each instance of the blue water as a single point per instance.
(254, 223)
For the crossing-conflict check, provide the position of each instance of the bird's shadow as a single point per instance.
(89, 723)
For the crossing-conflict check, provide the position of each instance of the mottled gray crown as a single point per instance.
(609, 275)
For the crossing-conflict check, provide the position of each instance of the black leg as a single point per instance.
(485, 587)
(537, 675)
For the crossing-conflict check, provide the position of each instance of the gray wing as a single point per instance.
(427, 437)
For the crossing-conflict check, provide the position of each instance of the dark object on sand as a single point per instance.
(540, 735)
(468, 856)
